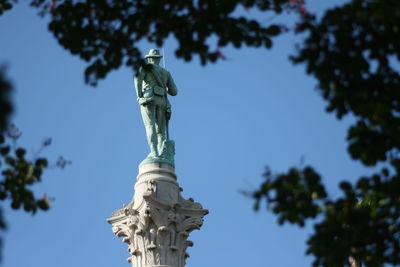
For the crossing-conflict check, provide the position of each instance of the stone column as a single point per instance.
(157, 222)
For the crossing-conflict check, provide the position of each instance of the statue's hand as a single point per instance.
(168, 112)
(144, 100)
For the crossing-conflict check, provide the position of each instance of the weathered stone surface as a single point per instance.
(157, 222)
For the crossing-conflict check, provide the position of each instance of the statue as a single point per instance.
(152, 84)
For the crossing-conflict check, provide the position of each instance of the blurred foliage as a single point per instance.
(106, 33)
(5, 101)
(18, 172)
(18, 175)
(363, 223)
(352, 51)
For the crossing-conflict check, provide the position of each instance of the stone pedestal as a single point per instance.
(157, 222)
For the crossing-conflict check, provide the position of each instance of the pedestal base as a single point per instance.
(157, 222)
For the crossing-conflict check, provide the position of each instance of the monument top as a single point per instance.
(158, 220)
(153, 83)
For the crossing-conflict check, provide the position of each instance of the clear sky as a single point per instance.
(229, 121)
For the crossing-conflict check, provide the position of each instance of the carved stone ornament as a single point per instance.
(157, 222)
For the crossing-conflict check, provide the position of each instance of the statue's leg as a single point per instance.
(160, 127)
(149, 120)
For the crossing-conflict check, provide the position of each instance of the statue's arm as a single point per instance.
(171, 87)
(138, 81)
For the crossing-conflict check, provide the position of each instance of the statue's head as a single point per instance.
(153, 56)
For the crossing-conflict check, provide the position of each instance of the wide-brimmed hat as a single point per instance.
(153, 53)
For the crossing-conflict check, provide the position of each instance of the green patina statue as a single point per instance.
(152, 84)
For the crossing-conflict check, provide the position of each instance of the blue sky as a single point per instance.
(230, 120)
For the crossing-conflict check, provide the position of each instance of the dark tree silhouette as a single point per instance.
(354, 53)
(106, 33)
(19, 172)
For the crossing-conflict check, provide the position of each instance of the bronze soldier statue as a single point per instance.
(152, 84)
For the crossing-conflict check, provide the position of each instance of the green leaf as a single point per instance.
(41, 163)
(4, 150)
(43, 204)
(20, 153)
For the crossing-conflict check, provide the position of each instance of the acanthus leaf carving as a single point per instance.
(156, 230)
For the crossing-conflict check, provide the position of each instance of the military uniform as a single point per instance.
(153, 83)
